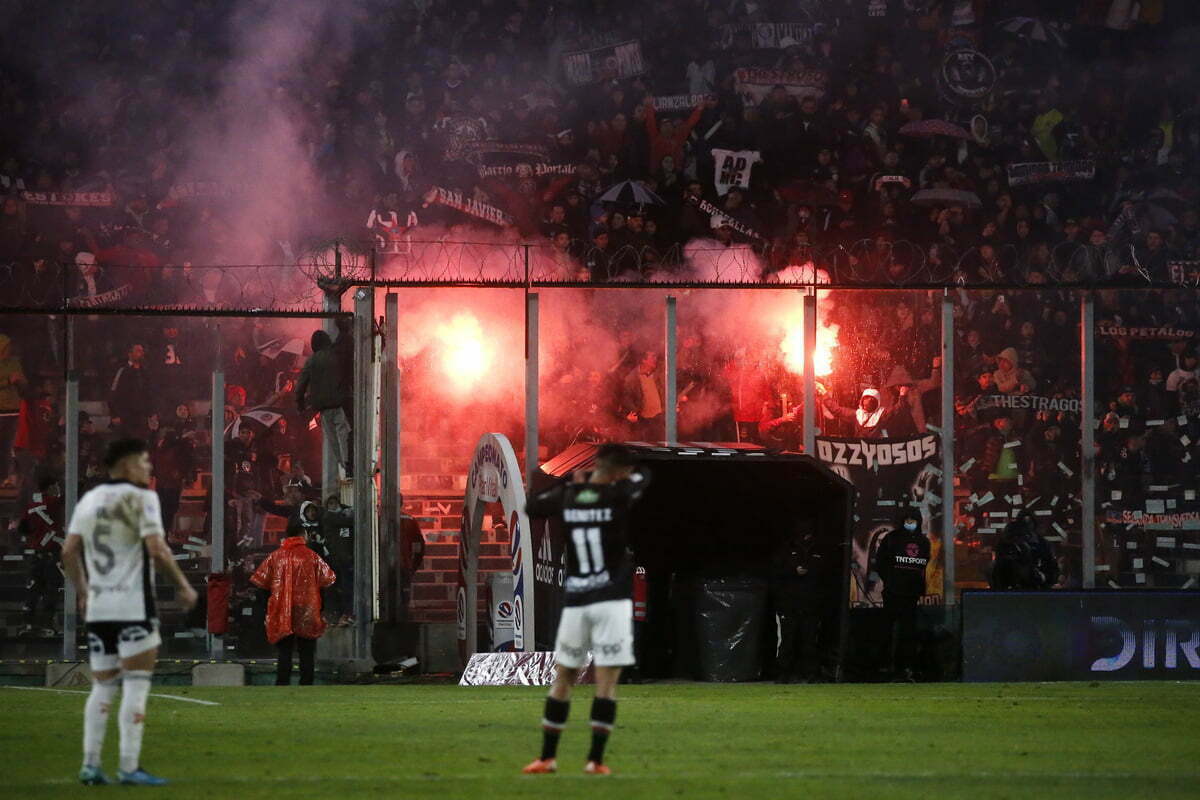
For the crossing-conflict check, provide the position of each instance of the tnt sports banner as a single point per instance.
(618, 61)
(494, 477)
(755, 84)
(889, 474)
(1050, 172)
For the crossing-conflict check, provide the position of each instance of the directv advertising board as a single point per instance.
(1099, 635)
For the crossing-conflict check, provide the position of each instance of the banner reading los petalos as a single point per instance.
(755, 84)
(889, 474)
(494, 477)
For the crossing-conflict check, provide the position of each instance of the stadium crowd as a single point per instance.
(883, 141)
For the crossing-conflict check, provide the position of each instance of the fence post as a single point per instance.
(390, 459)
(364, 477)
(949, 529)
(672, 387)
(70, 483)
(216, 512)
(329, 467)
(531, 387)
(809, 321)
(1087, 440)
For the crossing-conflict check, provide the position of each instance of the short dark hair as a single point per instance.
(119, 448)
(615, 456)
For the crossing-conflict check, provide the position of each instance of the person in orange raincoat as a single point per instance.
(295, 576)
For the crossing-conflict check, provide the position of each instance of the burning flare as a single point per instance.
(465, 354)
(792, 347)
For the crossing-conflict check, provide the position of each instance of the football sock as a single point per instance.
(135, 688)
(604, 714)
(554, 719)
(95, 719)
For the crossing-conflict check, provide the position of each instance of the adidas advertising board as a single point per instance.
(494, 477)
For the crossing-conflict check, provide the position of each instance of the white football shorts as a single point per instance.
(111, 642)
(605, 629)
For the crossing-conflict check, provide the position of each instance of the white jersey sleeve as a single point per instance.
(113, 520)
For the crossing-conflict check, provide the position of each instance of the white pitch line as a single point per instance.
(634, 775)
(81, 691)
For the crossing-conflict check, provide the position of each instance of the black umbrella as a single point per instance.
(631, 193)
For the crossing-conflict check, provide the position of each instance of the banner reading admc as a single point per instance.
(494, 477)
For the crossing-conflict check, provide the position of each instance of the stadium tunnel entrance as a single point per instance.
(705, 533)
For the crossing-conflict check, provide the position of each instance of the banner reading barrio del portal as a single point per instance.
(494, 477)
(889, 474)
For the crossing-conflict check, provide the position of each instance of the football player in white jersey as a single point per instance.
(114, 535)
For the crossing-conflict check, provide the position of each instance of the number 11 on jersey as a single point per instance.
(587, 540)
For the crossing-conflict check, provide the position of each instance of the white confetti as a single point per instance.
(1124, 423)
(1138, 563)
(1139, 577)
(1066, 470)
(1165, 541)
(966, 466)
(1114, 585)
(1013, 444)
(1162, 562)
(1181, 419)
(1116, 494)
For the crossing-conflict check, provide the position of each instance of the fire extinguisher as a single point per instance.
(218, 603)
(639, 594)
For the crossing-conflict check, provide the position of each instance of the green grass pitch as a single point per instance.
(1124, 740)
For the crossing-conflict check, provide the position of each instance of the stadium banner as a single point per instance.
(104, 298)
(755, 84)
(206, 190)
(1034, 402)
(494, 477)
(1151, 332)
(618, 61)
(468, 206)
(768, 35)
(1050, 171)
(889, 474)
(527, 170)
(678, 102)
(1158, 520)
(1068, 636)
(95, 199)
(476, 150)
(711, 210)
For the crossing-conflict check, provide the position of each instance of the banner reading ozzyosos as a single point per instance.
(494, 477)
(889, 474)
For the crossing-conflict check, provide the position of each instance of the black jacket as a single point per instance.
(320, 385)
(901, 562)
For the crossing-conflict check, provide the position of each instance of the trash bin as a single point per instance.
(730, 615)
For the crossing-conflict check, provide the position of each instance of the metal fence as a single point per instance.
(477, 339)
